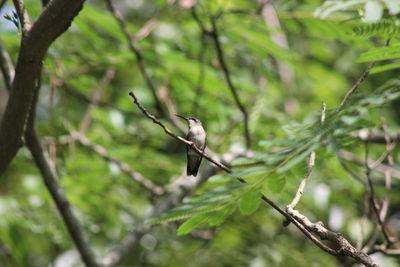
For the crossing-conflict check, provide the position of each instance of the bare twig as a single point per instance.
(311, 163)
(354, 88)
(386, 251)
(300, 221)
(350, 171)
(381, 167)
(170, 133)
(388, 173)
(357, 84)
(300, 190)
(221, 59)
(138, 177)
(146, 29)
(372, 196)
(139, 57)
(375, 136)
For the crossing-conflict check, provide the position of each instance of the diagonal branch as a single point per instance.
(300, 221)
(138, 177)
(357, 84)
(311, 163)
(64, 207)
(52, 22)
(354, 88)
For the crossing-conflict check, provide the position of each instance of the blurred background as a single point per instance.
(282, 58)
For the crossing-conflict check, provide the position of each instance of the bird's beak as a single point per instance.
(181, 117)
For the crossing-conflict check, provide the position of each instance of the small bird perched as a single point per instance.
(197, 135)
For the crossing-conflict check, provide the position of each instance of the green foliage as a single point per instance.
(334, 130)
(282, 88)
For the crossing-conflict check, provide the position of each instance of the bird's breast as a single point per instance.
(197, 135)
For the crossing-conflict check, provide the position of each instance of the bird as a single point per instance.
(197, 135)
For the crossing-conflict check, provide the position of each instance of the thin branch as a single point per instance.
(357, 84)
(23, 16)
(146, 29)
(388, 173)
(139, 57)
(375, 136)
(372, 196)
(350, 171)
(311, 163)
(221, 59)
(354, 88)
(170, 133)
(124, 167)
(299, 221)
(346, 249)
(386, 251)
(64, 207)
(381, 167)
(300, 190)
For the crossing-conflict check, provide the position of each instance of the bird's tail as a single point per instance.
(193, 164)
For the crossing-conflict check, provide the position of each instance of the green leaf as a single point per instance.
(250, 201)
(211, 219)
(218, 217)
(386, 67)
(381, 53)
(215, 193)
(190, 224)
(250, 171)
(384, 28)
(275, 184)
